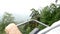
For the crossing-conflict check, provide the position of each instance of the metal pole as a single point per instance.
(32, 20)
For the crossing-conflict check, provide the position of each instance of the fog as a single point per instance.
(21, 8)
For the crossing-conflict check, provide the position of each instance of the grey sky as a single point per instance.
(21, 8)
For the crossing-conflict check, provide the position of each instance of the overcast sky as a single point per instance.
(22, 7)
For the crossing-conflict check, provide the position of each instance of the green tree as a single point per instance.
(50, 14)
(32, 24)
(35, 14)
(7, 19)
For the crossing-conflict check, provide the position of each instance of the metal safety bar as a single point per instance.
(32, 20)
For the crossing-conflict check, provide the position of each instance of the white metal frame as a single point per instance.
(32, 20)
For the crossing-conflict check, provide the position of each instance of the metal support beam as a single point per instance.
(32, 20)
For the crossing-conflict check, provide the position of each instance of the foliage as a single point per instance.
(35, 14)
(7, 19)
(50, 14)
(32, 24)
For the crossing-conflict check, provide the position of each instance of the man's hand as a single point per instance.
(12, 29)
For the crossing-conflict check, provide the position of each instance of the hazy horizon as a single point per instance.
(21, 9)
